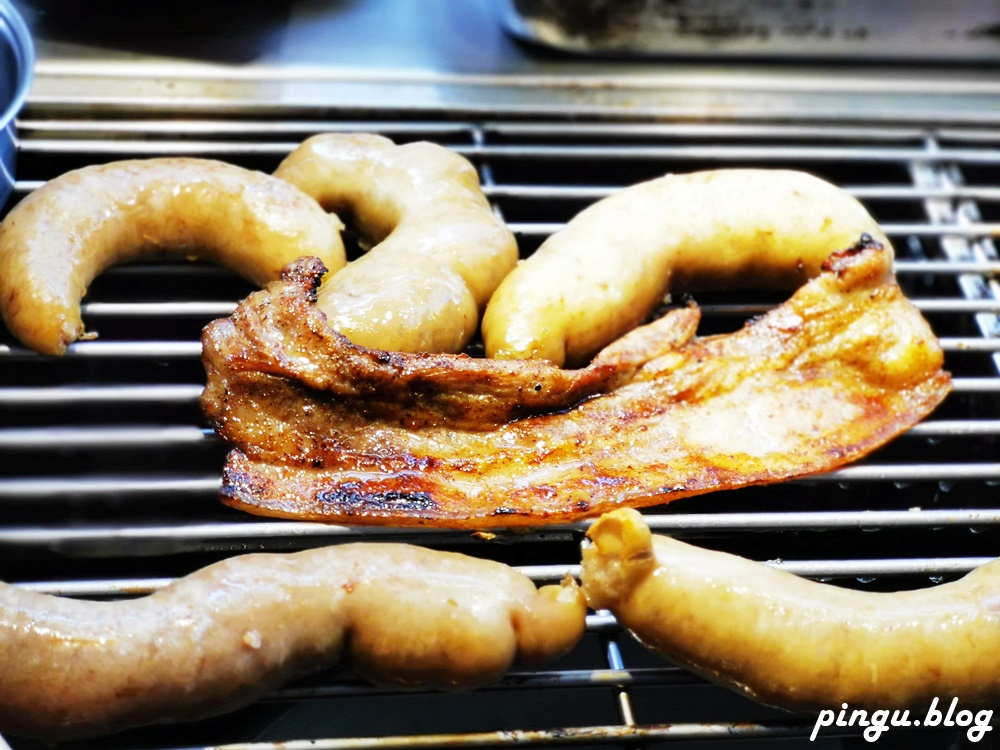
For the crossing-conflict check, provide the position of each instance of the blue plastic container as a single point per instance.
(17, 59)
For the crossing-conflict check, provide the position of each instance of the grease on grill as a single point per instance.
(353, 498)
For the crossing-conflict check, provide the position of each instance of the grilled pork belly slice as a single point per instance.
(325, 430)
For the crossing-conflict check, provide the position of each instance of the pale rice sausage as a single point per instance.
(65, 233)
(437, 249)
(222, 637)
(790, 642)
(613, 263)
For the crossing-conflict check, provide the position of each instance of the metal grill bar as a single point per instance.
(98, 437)
(730, 154)
(569, 736)
(28, 127)
(545, 193)
(104, 438)
(548, 193)
(603, 678)
(177, 73)
(158, 309)
(96, 485)
(974, 385)
(823, 569)
(192, 349)
(115, 350)
(182, 129)
(965, 306)
(260, 533)
(906, 473)
(221, 309)
(565, 106)
(615, 662)
(545, 229)
(713, 131)
(944, 213)
(50, 396)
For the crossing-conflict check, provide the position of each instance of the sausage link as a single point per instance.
(790, 642)
(65, 233)
(613, 263)
(437, 250)
(221, 637)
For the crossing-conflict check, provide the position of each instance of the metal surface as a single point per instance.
(842, 29)
(310, 63)
(686, 94)
(108, 474)
(16, 67)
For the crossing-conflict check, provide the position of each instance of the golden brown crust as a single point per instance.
(789, 642)
(65, 233)
(416, 390)
(220, 638)
(322, 433)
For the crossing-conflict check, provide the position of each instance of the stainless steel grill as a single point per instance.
(108, 475)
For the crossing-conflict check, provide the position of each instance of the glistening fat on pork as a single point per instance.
(325, 430)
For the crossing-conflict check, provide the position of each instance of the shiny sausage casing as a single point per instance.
(437, 249)
(65, 233)
(223, 636)
(613, 263)
(791, 642)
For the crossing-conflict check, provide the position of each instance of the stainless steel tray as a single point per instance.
(842, 29)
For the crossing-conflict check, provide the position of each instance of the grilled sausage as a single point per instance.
(221, 637)
(61, 236)
(613, 263)
(438, 251)
(790, 642)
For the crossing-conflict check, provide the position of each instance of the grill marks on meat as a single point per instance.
(325, 430)
(280, 333)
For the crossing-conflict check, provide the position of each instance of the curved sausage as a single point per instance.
(790, 642)
(437, 250)
(64, 234)
(220, 638)
(613, 263)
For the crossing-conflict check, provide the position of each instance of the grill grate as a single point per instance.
(108, 475)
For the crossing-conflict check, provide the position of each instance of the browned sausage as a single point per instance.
(790, 642)
(61, 236)
(613, 263)
(221, 637)
(437, 249)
